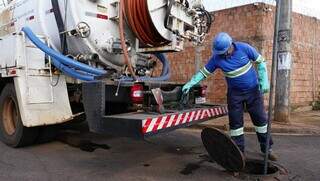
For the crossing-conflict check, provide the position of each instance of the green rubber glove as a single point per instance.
(263, 77)
(196, 79)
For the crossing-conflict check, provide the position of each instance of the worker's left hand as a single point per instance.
(263, 78)
(264, 86)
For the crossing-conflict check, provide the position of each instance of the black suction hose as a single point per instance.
(272, 85)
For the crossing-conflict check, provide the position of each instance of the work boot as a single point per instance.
(271, 156)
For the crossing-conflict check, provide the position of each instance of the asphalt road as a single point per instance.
(178, 155)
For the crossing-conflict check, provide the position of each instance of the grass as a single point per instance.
(316, 105)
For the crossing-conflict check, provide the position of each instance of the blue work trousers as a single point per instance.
(252, 101)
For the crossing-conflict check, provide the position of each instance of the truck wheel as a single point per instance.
(12, 131)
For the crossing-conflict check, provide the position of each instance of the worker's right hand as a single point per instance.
(197, 78)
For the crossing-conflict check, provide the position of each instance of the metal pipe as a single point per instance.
(198, 57)
(272, 84)
(165, 74)
(91, 57)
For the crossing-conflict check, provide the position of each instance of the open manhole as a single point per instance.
(254, 170)
(256, 167)
(226, 153)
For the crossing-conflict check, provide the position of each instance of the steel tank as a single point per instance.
(91, 26)
(97, 15)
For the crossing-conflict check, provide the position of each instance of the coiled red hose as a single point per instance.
(140, 22)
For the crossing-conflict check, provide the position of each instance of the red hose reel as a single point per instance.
(139, 20)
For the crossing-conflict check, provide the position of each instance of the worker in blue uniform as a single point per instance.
(245, 87)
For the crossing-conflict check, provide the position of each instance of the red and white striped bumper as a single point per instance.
(152, 125)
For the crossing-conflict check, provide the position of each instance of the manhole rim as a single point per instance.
(271, 175)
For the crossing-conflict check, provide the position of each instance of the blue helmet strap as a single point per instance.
(229, 52)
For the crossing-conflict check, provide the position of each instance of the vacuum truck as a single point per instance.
(64, 59)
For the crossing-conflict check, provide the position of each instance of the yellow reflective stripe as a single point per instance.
(205, 72)
(240, 71)
(236, 132)
(262, 129)
(260, 59)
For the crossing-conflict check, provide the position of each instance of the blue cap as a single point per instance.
(221, 43)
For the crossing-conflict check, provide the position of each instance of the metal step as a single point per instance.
(140, 124)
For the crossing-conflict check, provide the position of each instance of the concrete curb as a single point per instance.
(276, 130)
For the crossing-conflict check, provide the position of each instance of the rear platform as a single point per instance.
(141, 124)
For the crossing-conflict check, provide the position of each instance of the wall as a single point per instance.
(254, 24)
(309, 7)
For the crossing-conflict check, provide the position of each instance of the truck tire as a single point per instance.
(12, 131)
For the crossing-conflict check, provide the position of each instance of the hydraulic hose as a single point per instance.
(71, 72)
(272, 85)
(165, 74)
(60, 25)
(59, 57)
(165, 63)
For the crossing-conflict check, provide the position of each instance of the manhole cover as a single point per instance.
(223, 150)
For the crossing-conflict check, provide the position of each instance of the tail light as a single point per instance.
(203, 91)
(137, 94)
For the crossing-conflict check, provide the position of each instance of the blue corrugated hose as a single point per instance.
(71, 72)
(59, 57)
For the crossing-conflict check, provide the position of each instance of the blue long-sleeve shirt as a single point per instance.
(237, 67)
